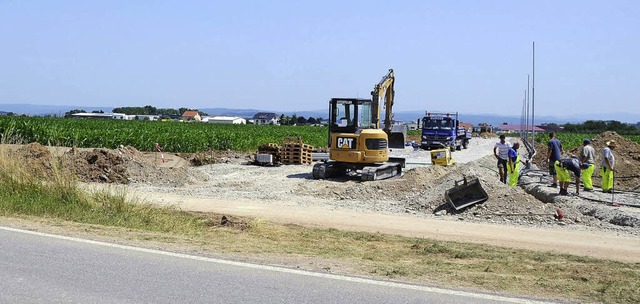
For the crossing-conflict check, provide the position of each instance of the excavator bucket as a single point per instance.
(397, 136)
(465, 193)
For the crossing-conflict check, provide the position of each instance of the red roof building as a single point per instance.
(517, 128)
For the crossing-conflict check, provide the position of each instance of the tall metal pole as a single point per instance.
(533, 96)
(526, 97)
(523, 115)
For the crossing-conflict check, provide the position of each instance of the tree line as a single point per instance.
(599, 126)
(298, 120)
(146, 110)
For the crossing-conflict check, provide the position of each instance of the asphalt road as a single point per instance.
(42, 268)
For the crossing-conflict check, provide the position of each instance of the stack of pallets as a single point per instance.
(295, 152)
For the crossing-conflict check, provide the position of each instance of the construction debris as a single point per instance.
(292, 152)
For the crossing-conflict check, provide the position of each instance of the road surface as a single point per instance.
(43, 268)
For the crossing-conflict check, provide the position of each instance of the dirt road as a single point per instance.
(594, 244)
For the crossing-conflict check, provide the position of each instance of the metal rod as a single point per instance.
(526, 97)
(533, 95)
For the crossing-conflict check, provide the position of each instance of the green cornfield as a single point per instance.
(143, 135)
(572, 140)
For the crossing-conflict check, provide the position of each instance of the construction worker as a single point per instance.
(588, 160)
(562, 168)
(607, 167)
(501, 152)
(553, 154)
(513, 167)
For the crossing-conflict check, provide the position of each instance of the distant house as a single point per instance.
(466, 126)
(191, 116)
(93, 115)
(123, 116)
(225, 120)
(483, 128)
(264, 118)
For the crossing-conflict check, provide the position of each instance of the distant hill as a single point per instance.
(406, 116)
(42, 110)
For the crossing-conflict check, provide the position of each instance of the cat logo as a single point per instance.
(346, 142)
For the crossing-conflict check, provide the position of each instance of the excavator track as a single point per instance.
(385, 171)
(327, 170)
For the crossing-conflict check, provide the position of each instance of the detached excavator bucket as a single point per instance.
(397, 137)
(465, 194)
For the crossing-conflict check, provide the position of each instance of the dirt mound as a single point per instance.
(37, 158)
(99, 165)
(120, 166)
(422, 190)
(627, 155)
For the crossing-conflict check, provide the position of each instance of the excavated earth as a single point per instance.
(419, 192)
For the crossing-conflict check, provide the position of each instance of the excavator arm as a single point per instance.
(384, 89)
(383, 94)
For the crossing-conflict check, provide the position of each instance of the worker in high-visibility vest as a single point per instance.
(588, 160)
(513, 167)
(563, 166)
(607, 167)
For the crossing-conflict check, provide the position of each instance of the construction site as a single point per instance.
(416, 203)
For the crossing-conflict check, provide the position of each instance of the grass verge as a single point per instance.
(55, 195)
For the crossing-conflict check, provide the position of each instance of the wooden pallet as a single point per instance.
(298, 160)
(294, 151)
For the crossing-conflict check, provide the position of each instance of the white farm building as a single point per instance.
(225, 120)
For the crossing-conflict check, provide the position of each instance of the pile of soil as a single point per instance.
(627, 160)
(627, 155)
(119, 166)
(37, 158)
(99, 165)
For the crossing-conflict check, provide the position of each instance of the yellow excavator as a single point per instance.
(358, 142)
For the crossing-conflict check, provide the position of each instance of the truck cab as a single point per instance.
(441, 130)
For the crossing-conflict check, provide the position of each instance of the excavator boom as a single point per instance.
(383, 94)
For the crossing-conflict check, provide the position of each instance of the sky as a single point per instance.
(464, 56)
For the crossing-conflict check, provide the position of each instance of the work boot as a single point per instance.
(588, 189)
(554, 185)
(564, 192)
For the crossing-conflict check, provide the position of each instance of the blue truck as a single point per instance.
(441, 130)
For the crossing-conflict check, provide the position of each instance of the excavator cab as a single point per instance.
(352, 136)
(348, 115)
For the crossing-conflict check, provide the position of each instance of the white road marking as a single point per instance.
(284, 270)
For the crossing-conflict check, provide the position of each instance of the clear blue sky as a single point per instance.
(466, 56)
